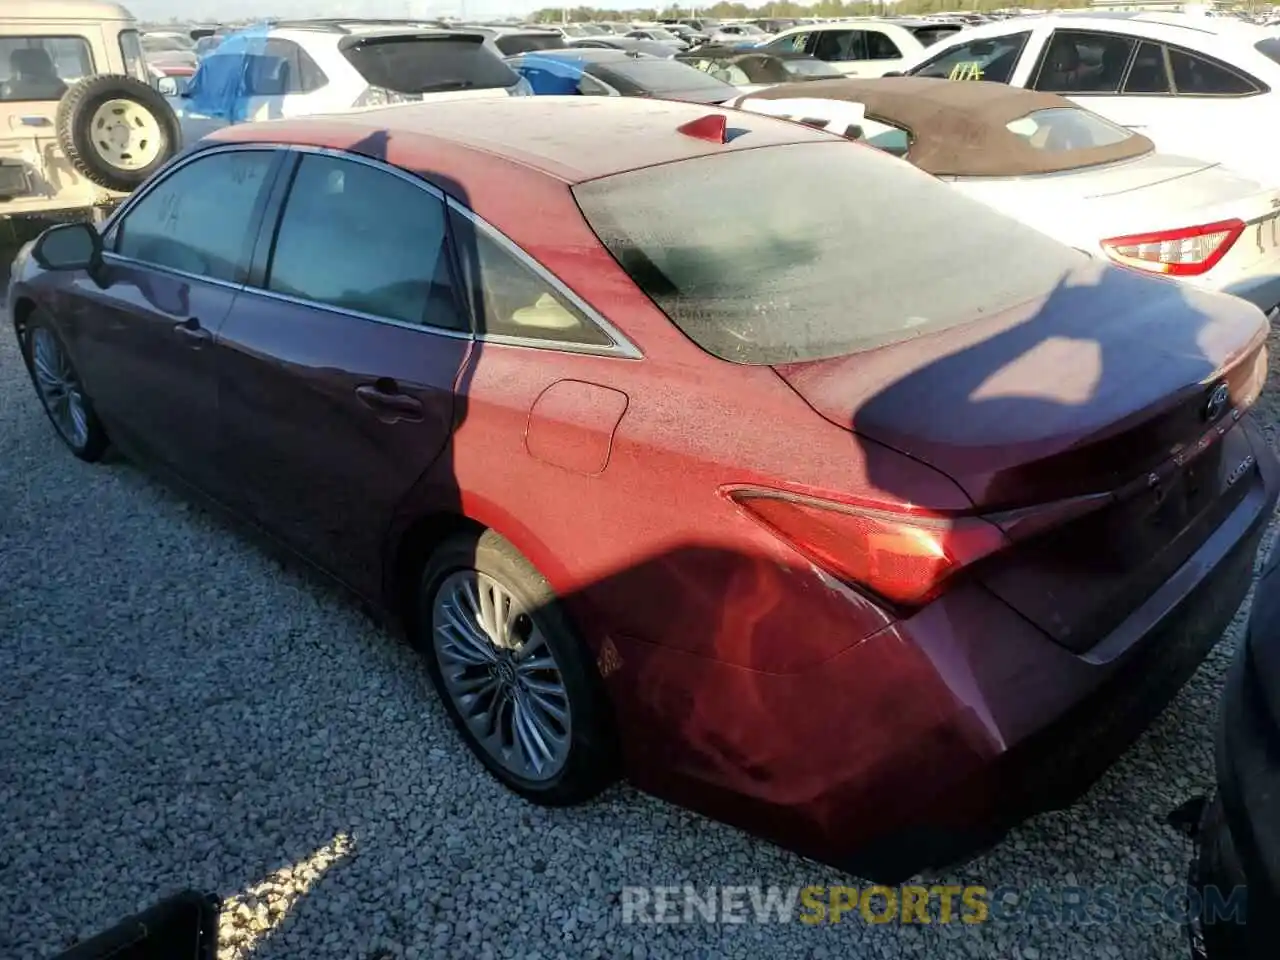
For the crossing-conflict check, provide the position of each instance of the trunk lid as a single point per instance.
(1104, 392)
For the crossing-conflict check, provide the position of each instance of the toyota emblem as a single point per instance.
(1218, 401)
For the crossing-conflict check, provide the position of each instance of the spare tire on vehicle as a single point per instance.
(116, 130)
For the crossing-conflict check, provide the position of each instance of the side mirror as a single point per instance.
(168, 86)
(69, 246)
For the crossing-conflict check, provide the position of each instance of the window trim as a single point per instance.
(620, 346)
(124, 56)
(111, 229)
(1025, 34)
(1258, 86)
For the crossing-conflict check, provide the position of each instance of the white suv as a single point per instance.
(306, 68)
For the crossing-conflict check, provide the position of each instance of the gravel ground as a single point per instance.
(182, 711)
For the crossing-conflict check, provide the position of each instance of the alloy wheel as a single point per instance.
(501, 675)
(59, 387)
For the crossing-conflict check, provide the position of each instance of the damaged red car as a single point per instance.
(689, 445)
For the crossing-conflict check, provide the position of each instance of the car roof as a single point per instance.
(959, 129)
(571, 139)
(1169, 27)
(62, 10)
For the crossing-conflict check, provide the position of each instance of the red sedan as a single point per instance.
(693, 445)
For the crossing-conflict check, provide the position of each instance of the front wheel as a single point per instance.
(515, 679)
(60, 391)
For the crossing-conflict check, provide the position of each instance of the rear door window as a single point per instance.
(1079, 61)
(1197, 76)
(366, 240)
(426, 64)
(42, 68)
(838, 46)
(201, 218)
(993, 59)
(880, 47)
(783, 279)
(1148, 74)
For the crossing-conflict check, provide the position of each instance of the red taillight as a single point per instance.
(1188, 252)
(903, 557)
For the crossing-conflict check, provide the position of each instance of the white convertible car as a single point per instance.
(1068, 172)
(1195, 85)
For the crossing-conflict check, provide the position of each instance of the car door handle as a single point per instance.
(192, 330)
(386, 400)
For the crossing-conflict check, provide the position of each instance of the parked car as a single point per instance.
(323, 67)
(751, 70)
(741, 34)
(686, 33)
(81, 123)
(862, 48)
(509, 41)
(659, 35)
(173, 53)
(649, 48)
(1238, 844)
(1057, 167)
(352, 331)
(1197, 86)
(617, 73)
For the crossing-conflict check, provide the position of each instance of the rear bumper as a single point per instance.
(924, 744)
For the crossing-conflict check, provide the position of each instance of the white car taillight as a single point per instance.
(1187, 252)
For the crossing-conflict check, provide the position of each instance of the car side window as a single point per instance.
(201, 218)
(510, 298)
(1147, 75)
(840, 45)
(1080, 61)
(1197, 76)
(283, 68)
(792, 43)
(358, 238)
(591, 87)
(880, 47)
(993, 59)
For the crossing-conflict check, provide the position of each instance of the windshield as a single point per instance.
(42, 68)
(661, 77)
(427, 64)
(591, 30)
(750, 28)
(659, 33)
(783, 279)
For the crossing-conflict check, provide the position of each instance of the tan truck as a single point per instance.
(81, 121)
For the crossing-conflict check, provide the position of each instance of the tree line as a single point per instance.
(825, 9)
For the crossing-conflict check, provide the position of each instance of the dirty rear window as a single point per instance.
(42, 68)
(428, 64)
(782, 279)
(513, 44)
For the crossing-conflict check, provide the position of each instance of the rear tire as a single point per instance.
(546, 676)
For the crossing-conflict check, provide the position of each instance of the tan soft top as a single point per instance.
(958, 127)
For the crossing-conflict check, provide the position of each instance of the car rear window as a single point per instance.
(1269, 48)
(889, 254)
(809, 67)
(1059, 129)
(514, 44)
(664, 76)
(42, 68)
(425, 64)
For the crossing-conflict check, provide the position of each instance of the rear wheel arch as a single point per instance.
(23, 308)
